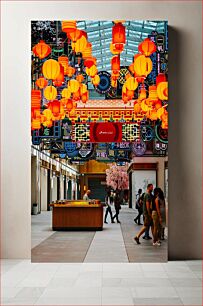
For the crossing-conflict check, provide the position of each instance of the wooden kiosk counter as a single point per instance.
(77, 215)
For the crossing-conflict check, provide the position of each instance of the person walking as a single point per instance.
(138, 206)
(108, 202)
(162, 207)
(156, 217)
(117, 204)
(147, 202)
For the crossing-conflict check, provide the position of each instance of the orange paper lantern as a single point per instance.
(63, 61)
(147, 47)
(137, 108)
(69, 105)
(41, 82)
(60, 79)
(80, 78)
(85, 97)
(74, 35)
(69, 26)
(41, 50)
(162, 90)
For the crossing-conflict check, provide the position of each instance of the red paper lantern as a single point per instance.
(90, 61)
(41, 50)
(147, 47)
(118, 34)
(115, 63)
(54, 106)
(160, 78)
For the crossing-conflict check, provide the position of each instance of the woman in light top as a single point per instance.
(86, 196)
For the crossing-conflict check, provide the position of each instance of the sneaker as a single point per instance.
(137, 240)
(156, 243)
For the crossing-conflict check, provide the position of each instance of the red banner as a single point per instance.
(106, 132)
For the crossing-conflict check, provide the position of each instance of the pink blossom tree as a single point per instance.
(117, 177)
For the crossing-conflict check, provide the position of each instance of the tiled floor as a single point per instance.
(114, 244)
(172, 283)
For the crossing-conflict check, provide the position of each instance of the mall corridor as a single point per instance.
(114, 244)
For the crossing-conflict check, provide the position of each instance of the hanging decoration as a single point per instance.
(129, 94)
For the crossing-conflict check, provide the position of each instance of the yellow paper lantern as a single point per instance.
(66, 93)
(83, 89)
(87, 52)
(50, 93)
(144, 106)
(48, 114)
(96, 80)
(162, 90)
(80, 45)
(73, 86)
(93, 71)
(131, 83)
(124, 89)
(51, 69)
(153, 115)
(160, 112)
(142, 65)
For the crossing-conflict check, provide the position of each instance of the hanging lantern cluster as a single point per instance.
(116, 47)
(142, 64)
(150, 103)
(129, 88)
(152, 107)
(115, 68)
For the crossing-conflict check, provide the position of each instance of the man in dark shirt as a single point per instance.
(146, 212)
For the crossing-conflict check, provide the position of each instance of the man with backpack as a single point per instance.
(138, 206)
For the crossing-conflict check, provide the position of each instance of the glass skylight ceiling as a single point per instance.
(100, 35)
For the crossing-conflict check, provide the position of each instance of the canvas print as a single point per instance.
(99, 132)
